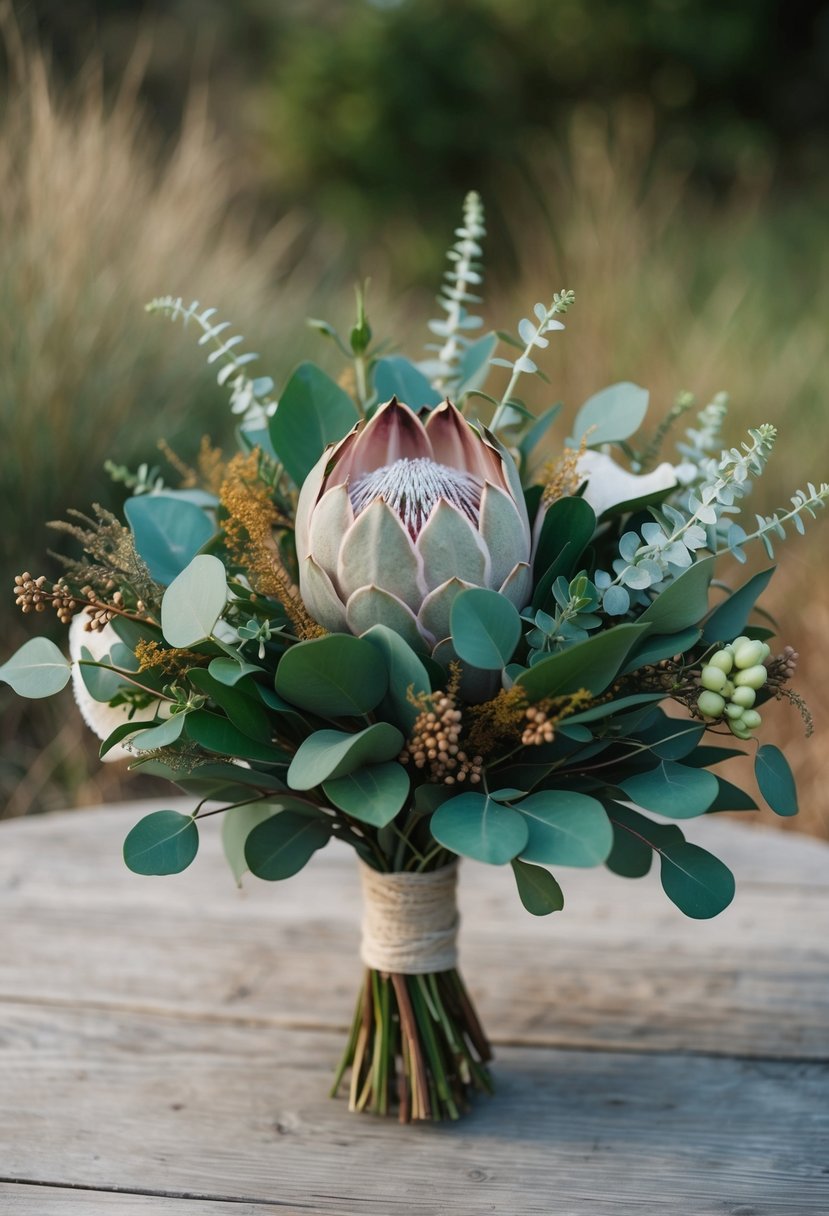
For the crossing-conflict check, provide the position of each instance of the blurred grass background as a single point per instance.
(666, 159)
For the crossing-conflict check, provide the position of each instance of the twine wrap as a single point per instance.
(410, 921)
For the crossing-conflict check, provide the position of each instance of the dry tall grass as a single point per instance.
(675, 295)
(96, 218)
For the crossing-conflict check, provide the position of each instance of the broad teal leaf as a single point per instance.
(281, 845)
(729, 619)
(565, 828)
(473, 825)
(334, 753)
(684, 602)
(485, 628)
(37, 669)
(673, 790)
(164, 842)
(333, 676)
(614, 413)
(168, 533)
(373, 794)
(775, 779)
(395, 376)
(592, 664)
(537, 889)
(695, 880)
(313, 411)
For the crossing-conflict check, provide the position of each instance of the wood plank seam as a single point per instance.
(193, 1196)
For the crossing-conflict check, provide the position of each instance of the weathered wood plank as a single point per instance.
(619, 968)
(38, 1200)
(222, 1110)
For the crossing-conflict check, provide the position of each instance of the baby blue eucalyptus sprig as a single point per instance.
(249, 397)
(575, 615)
(808, 501)
(465, 272)
(705, 438)
(665, 547)
(531, 337)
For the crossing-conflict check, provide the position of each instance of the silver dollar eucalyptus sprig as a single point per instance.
(465, 272)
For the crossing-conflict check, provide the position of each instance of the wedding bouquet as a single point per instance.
(387, 622)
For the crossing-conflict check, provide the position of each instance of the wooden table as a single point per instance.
(167, 1044)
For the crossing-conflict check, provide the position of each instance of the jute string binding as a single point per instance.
(410, 921)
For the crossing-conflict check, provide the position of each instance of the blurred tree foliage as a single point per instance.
(393, 108)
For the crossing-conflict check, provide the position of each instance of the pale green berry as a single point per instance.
(722, 659)
(752, 719)
(712, 678)
(752, 677)
(766, 651)
(737, 643)
(728, 689)
(711, 704)
(738, 729)
(749, 654)
(734, 712)
(744, 697)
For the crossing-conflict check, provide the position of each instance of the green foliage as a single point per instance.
(612, 414)
(565, 828)
(194, 601)
(673, 790)
(395, 376)
(729, 619)
(698, 883)
(37, 669)
(485, 628)
(372, 795)
(163, 842)
(313, 412)
(282, 844)
(479, 827)
(592, 664)
(774, 777)
(334, 676)
(333, 753)
(168, 532)
(537, 889)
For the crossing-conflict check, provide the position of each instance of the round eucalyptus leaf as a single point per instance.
(281, 845)
(334, 753)
(485, 628)
(194, 601)
(168, 533)
(473, 825)
(334, 676)
(373, 794)
(565, 827)
(164, 842)
(695, 880)
(163, 734)
(37, 669)
(674, 790)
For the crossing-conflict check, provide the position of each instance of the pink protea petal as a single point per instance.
(394, 433)
(456, 444)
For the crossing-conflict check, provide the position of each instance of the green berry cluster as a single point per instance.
(730, 681)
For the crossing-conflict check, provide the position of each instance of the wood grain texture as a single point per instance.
(620, 967)
(219, 1110)
(166, 1044)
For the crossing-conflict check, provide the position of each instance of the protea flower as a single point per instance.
(400, 516)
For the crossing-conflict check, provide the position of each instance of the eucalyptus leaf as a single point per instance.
(684, 601)
(485, 628)
(698, 883)
(194, 601)
(37, 669)
(246, 714)
(333, 753)
(407, 676)
(237, 825)
(612, 414)
(281, 845)
(396, 376)
(591, 665)
(373, 794)
(163, 842)
(775, 779)
(473, 825)
(565, 828)
(729, 619)
(215, 733)
(313, 411)
(673, 790)
(661, 646)
(162, 735)
(168, 533)
(333, 676)
(230, 671)
(537, 889)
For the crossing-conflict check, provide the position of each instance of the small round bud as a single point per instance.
(749, 654)
(734, 712)
(737, 643)
(712, 678)
(752, 719)
(711, 704)
(722, 659)
(739, 729)
(751, 677)
(743, 697)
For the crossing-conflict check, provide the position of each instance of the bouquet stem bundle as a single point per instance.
(415, 1043)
